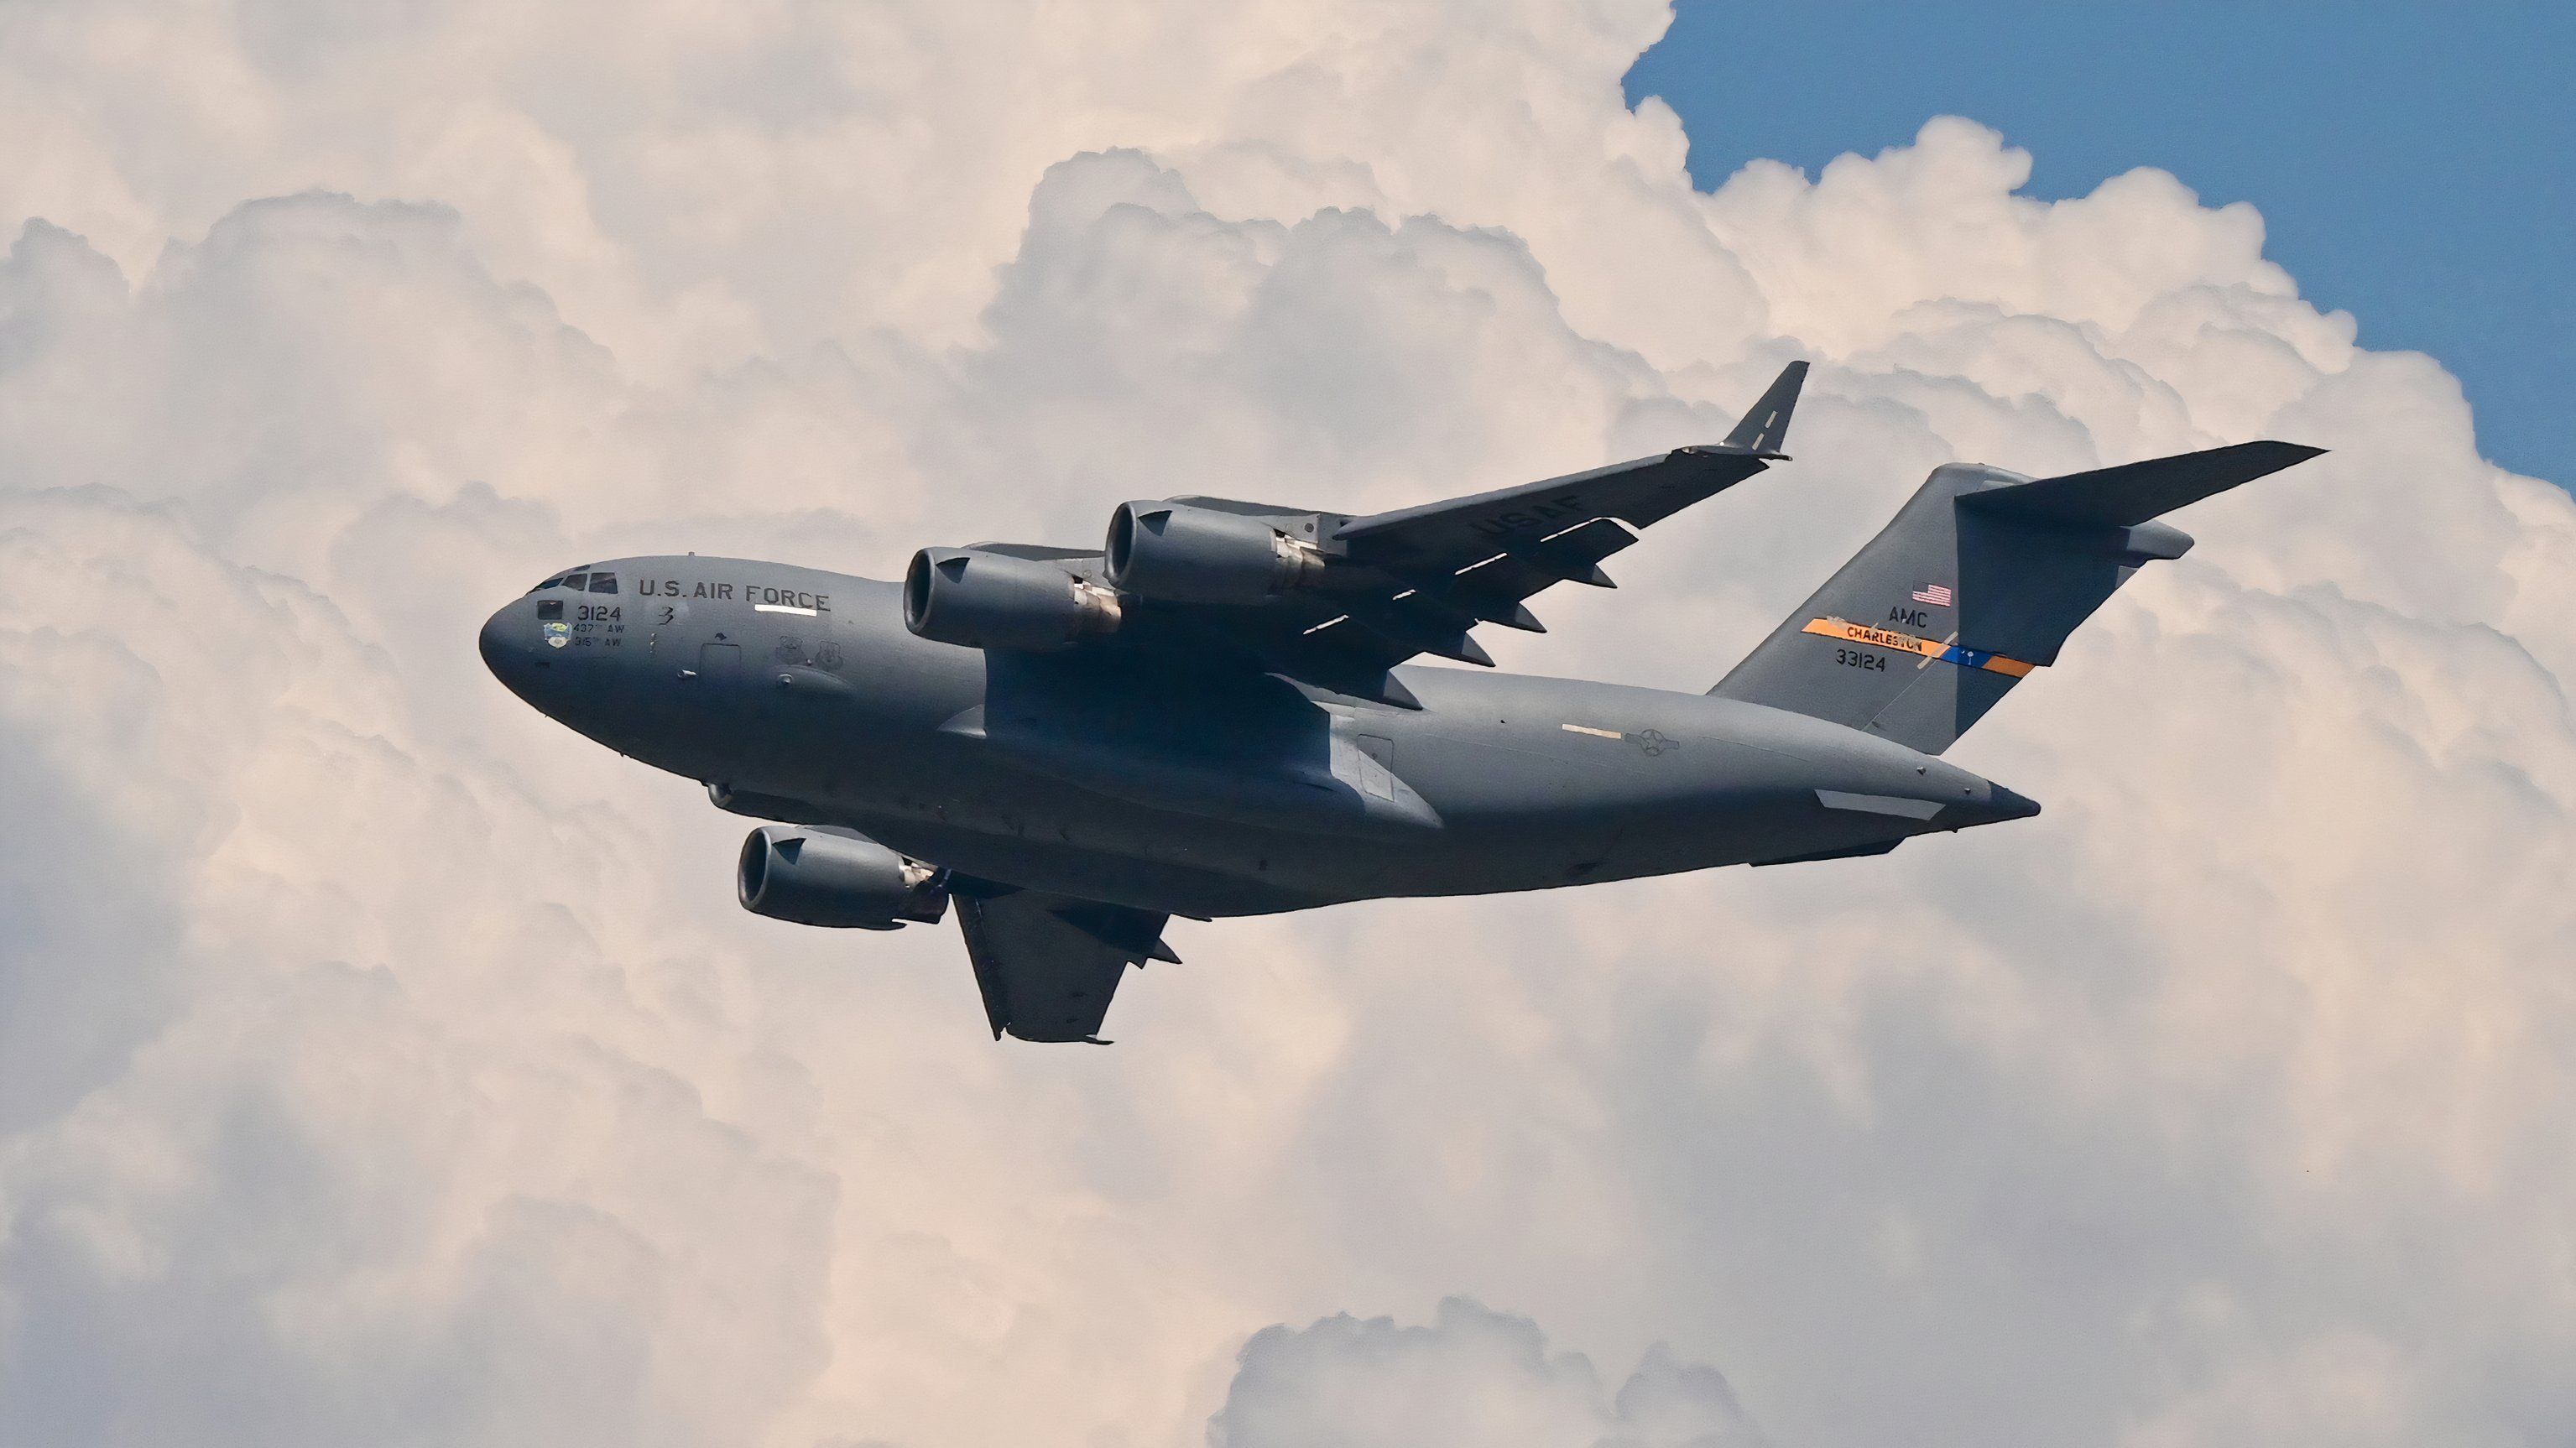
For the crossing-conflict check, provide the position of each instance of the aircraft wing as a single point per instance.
(1417, 580)
(1047, 965)
(1360, 595)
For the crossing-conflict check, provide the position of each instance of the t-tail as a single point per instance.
(1977, 581)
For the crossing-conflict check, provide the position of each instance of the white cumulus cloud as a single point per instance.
(1474, 1378)
(379, 1063)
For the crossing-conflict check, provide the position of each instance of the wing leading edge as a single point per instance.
(1419, 580)
(1462, 531)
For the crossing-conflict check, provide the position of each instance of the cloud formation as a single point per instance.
(378, 1063)
(1474, 1378)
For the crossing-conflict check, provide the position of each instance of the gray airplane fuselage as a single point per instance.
(1191, 787)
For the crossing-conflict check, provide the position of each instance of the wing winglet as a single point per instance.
(1765, 428)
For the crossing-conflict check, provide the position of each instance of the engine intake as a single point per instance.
(835, 879)
(993, 601)
(1181, 554)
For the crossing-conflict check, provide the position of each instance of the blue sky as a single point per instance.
(2416, 164)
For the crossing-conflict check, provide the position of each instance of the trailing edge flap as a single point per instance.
(1047, 965)
(2134, 493)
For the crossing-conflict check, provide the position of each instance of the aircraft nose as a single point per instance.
(509, 646)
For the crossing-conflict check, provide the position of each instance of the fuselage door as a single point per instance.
(1373, 760)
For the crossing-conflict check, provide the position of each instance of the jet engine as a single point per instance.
(1181, 554)
(815, 877)
(994, 601)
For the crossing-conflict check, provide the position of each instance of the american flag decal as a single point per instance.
(1933, 593)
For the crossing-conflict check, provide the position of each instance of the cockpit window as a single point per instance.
(574, 581)
(603, 583)
(549, 583)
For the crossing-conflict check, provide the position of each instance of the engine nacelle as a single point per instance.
(1181, 554)
(993, 601)
(835, 879)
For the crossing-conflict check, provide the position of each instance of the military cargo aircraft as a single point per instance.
(1213, 712)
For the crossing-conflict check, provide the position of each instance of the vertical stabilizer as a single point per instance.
(1978, 581)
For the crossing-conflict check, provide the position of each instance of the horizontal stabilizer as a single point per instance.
(2133, 493)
